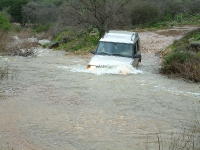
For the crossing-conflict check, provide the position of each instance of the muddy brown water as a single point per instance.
(53, 103)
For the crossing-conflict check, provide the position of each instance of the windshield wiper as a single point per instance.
(116, 54)
(103, 53)
(122, 55)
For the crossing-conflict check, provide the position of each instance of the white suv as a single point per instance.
(117, 48)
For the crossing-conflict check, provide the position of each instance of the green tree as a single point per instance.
(16, 11)
(4, 22)
(6, 3)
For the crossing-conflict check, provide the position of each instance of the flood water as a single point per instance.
(53, 102)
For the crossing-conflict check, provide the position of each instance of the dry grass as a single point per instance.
(24, 48)
(189, 70)
(21, 45)
(5, 38)
(43, 35)
(25, 33)
(3, 72)
(186, 138)
(6, 72)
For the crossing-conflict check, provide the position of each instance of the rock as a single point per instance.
(195, 45)
(44, 41)
(15, 37)
(32, 40)
(167, 51)
(158, 53)
(53, 45)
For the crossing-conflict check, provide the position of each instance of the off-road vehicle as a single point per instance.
(117, 48)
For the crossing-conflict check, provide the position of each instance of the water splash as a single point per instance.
(120, 69)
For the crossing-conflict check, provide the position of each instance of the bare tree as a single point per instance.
(29, 11)
(40, 14)
(100, 14)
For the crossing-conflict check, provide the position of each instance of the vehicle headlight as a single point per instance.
(91, 67)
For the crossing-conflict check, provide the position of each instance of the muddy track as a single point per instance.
(53, 102)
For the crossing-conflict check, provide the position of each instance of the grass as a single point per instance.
(168, 22)
(42, 28)
(183, 60)
(45, 45)
(80, 43)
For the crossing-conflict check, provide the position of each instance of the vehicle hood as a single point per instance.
(102, 60)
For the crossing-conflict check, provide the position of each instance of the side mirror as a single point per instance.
(93, 52)
(137, 56)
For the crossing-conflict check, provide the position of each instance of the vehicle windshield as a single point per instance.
(115, 49)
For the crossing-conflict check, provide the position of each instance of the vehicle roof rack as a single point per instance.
(120, 36)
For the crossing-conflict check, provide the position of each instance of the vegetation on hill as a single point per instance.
(183, 57)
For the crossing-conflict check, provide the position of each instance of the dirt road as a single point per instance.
(51, 102)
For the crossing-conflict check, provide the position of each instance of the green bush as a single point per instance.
(65, 34)
(15, 11)
(78, 43)
(198, 55)
(183, 61)
(45, 45)
(40, 29)
(93, 40)
(4, 22)
(78, 46)
(192, 34)
(176, 56)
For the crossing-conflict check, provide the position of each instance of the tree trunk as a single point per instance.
(101, 33)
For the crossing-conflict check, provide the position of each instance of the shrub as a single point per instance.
(79, 43)
(176, 56)
(187, 137)
(78, 46)
(92, 40)
(4, 23)
(43, 28)
(198, 55)
(45, 45)
(4, 40)
(3, 72)
(183, 61)
(189, 70)
(193, 34)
